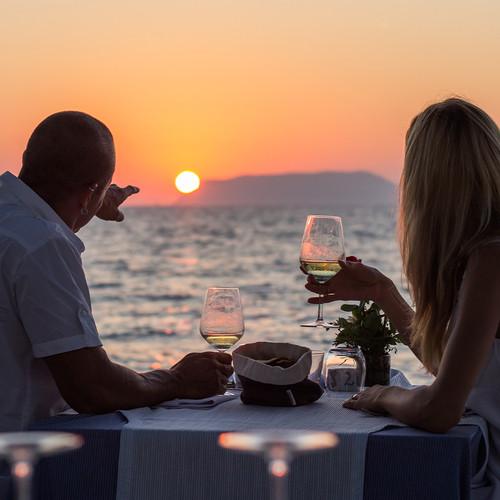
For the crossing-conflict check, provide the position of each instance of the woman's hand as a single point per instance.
(355, 281)
(113, 198)
(370, 400)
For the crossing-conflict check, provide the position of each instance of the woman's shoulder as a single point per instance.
(492, 239)
(482, 246)
(486, 256)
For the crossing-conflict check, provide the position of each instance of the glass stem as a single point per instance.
(22, 471)
(278, 472)
(280, 488)
(320, 311)
(231, 380)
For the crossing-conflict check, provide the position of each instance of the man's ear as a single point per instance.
(84, 198)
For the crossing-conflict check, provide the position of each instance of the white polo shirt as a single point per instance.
(44, 303)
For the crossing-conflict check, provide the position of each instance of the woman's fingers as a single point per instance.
(350, 403)
(315, 288)
(370, 400)
(323, 299)
(352, 258)
(351, 283)
(357, 401)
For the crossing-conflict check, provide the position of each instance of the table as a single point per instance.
(401, 463)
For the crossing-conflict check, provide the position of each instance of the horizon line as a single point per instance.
(293, 173)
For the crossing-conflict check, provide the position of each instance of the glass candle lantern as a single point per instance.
(344, 369)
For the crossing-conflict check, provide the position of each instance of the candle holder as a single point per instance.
(344, 369)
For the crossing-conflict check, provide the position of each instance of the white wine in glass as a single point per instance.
(221, 341)
(321, 250)
(221, 323)
(322, 271)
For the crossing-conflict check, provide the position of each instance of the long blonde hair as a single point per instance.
(449, 203)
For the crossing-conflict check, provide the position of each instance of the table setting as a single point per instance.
(284, 403)
(150, 452)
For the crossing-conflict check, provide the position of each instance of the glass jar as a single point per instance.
(316, 366)
(344, 369)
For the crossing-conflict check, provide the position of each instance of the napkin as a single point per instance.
(200, 404)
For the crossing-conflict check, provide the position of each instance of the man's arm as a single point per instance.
(91, 383)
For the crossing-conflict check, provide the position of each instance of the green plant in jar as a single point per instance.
(369, 328)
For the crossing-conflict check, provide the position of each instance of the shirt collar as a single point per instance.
(38, 206)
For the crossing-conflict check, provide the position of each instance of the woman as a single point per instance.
(450, 245)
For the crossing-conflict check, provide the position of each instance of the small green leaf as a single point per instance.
(348, 307)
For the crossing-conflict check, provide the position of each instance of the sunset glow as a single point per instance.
(187, 182)
(243, 88)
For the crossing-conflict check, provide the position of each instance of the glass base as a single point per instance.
(318, 323)
(280, 442)
(38, 444)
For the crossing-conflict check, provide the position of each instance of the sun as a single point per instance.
(187, 182)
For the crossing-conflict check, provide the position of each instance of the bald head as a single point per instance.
(68, 151)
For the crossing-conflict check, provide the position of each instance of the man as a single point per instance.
(50, 352)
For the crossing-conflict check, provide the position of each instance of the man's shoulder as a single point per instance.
(28, 231)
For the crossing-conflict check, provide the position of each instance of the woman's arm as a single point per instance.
(400, 314)
(357, 281)
(439, 407)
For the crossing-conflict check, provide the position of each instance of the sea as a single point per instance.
(148, 275)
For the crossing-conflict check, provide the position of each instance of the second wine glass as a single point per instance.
(222, 323)
(322, 248)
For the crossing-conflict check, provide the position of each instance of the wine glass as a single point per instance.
(278, 448)
(322, 248)
(222, 323)
(23, 449)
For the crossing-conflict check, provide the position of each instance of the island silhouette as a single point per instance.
(302, 189)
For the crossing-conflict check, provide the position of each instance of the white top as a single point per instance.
(44, 303)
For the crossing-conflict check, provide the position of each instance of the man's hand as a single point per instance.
(113, 198)
(200, 375)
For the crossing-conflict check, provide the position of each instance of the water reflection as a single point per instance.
(147, 275)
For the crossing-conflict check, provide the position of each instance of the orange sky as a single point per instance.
(243, 87)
